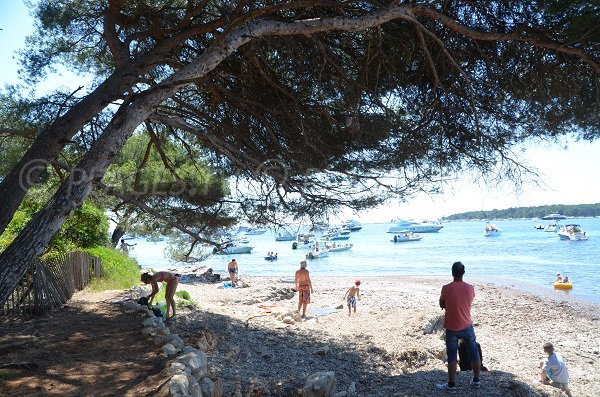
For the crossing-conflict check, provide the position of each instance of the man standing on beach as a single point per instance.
(456, 299)
(304, 287)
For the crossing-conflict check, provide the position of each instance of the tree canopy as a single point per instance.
(311, 105)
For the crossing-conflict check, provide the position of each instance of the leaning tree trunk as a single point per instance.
(49, 144)
(116, 235)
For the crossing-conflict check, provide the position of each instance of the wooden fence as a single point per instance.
(50, 284)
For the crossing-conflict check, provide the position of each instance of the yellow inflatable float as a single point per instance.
(568, 285)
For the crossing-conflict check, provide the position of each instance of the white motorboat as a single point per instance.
(317, 253)
(285, 237)
(572, 232)
(352, 225)
(339, 247)
(254, 231)
(492, 231)
(405, 236)
(552, 227)
(415, 227)
(554, 217)
(233, 249)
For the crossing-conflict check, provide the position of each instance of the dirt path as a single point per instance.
(89, 348)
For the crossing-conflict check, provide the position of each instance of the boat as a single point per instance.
(335, 237)
(271, 257)
(406, 235)
(314, 254)
(559, 285)
(553, 217)
(572, 232)
(539, 227)
(254, 231)
(317, 251)
(492, 231)
(415, 227)
(352, 225)
(552, 227)
(233, 249)
(285, 237)
(339, 247)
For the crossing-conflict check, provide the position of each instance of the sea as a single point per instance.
(522, 256)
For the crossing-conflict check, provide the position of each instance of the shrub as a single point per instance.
(118, 270)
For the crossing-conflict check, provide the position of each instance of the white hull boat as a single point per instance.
(406, 236)
(415, 227)
(572, 232)
(339, 247)
(234, 249)
(317, 253)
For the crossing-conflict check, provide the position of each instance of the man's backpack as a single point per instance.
(463, 357)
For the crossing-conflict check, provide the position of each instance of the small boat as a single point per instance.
(559, 285)
(405, 236)
(233, 249)
(254, 231)
(492, 231)
(539, 227)
(335, 237)
(285, 237)
(553, 217)
(317, 253)
(572, 232)
(271, 258)
(552, 228)
(339, 247)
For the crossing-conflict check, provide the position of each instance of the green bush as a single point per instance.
(183, 295)
(118, 270)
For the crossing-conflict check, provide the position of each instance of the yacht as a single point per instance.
(554, 217)
(415, 227)
(492, 231)
(572, 232)
(352, 225)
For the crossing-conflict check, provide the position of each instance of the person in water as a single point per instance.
(172, 281)
(352, 295)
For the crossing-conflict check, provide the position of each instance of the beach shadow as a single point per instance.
(281, 358)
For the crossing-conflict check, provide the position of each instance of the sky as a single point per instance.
(567, 172)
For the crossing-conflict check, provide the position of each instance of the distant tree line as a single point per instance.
(576, 211)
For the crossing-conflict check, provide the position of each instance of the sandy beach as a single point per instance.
(394, 345)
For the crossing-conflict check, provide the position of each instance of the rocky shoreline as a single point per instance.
(393, 346)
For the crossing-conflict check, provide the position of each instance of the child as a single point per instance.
(554, 369)
(558, 278)
(351, 295)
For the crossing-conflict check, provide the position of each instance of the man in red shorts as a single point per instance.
(456, 299)
(304, 287)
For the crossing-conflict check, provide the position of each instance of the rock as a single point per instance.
(288, 320)
(207, 386)
(297, 317)
(341, 394)
(195, 361)
(179, 386)
(352, 389)
(169, 350)
(339, 307)
(322, 351)
(320, 384)
(152, 322)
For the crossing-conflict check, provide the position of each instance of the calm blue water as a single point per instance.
(521, 253)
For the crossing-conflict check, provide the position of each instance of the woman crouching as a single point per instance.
(172, 281)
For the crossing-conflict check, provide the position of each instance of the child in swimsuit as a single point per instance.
(351, 296)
